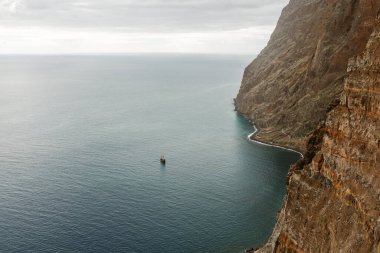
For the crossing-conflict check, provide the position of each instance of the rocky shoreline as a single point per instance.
(252, 137)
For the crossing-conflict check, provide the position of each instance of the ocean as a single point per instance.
(80, 142)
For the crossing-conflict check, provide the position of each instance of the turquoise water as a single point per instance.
(80, 141)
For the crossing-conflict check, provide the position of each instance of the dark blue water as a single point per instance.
(80, 141)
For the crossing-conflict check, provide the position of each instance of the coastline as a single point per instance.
(280, 214)
(251, 137)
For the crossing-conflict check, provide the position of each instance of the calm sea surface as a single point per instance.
(80, 141)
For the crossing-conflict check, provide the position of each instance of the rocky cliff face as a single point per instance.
(333, 201)
(287, 89)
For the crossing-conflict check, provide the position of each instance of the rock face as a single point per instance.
(333, 201)
(287, 89)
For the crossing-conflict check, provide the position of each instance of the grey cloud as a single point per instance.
(142, 15)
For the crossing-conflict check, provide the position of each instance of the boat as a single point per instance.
(162, 159)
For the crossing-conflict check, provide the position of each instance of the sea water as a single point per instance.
(80, 142)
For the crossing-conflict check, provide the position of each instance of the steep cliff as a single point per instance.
(333, 201)
(287, 89)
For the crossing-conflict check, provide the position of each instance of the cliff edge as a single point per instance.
(287, 89)
(301, 97)
(333, 201)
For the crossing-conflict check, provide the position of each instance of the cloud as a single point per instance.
(11, 6)
(140, 15)
(25, 40)
(132, 25)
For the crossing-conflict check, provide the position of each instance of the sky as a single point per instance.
(136, 26)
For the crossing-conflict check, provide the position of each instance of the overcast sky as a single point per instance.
(130, 26)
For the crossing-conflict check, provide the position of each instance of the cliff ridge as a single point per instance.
(287, 89)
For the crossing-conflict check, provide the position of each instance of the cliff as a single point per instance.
(316, 87)
(287, 89)
(333, 200)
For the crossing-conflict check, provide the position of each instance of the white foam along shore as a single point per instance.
(271, 145)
